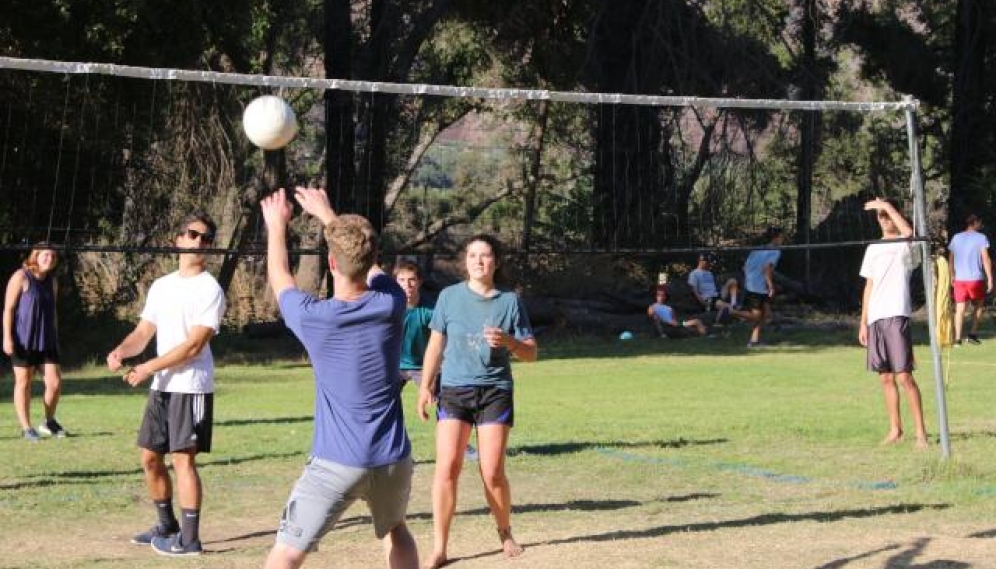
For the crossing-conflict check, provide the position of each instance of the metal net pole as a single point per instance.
(921, 229)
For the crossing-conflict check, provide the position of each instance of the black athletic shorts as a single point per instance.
(756, 300)
(177, 421)
(33, 358)
(476, 405)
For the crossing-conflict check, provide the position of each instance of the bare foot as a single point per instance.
(921, 443)
(892, 438)
(511, 547)
(436, 560)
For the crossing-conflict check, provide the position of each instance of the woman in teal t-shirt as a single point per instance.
(476, 329)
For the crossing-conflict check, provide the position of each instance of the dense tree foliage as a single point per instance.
(117, 161)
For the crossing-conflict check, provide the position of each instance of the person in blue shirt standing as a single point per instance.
(759, 286)
(418, 314)
(476, 330)
(30, 338)
(971, 276)
(360, 449)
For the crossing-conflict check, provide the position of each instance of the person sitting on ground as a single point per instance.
(666, 321)
(703, 284)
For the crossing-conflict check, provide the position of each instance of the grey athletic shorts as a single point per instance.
(326, 489)
(177, 421)
(890, 345)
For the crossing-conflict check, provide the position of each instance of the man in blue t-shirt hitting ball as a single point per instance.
(360, 449)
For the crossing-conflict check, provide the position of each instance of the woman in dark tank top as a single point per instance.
(30, 339)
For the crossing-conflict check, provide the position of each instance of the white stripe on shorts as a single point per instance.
(198, 408)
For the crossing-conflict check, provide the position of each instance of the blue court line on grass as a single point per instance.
(744, 469)
(761, 473)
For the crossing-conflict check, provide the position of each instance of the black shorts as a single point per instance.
(756, 300)
(890, 345)
(33, 358)
(476, 405)
(177, 421)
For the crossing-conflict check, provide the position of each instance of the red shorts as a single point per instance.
(965, 291)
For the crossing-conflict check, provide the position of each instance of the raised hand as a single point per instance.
(878, 204)
(315, 202)
(276, 210)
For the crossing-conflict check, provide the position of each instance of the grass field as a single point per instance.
(648, 453)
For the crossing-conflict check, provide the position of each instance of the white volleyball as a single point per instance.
(269, 122)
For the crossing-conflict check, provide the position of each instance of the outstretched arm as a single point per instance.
(277, 214)
(903, 226)
(133, 344)
(181, 354)
(863, 327)
(431, 362)
(769, 278)
(315, 202)
(987, 265)
(14, 288)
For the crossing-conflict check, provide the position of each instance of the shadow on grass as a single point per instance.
(243, 537)
(73, 477)
(264, 421)
(761, 520)
(904, 559)
(972, 435)
(984, 534)
(550, 449)
(844, 561)
(71, 385)
(54, 440)
(112, 384)
(571, 506)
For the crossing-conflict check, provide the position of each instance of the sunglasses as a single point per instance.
(205, 237)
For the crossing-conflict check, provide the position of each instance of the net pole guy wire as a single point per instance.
(922, 230)
(62, 67)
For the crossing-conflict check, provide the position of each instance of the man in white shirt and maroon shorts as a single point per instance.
(885, 317)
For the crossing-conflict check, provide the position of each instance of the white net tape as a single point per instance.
(444, 90)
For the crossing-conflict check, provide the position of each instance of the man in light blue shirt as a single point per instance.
(971, 275)
(759, 286)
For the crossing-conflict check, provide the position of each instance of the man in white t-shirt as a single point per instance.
(971, 275)
(183, 311)
(885, 316)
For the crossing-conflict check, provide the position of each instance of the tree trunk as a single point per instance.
(339, 126)
(630, 199)
(533, 178)
(968, 119)
(810, 89)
